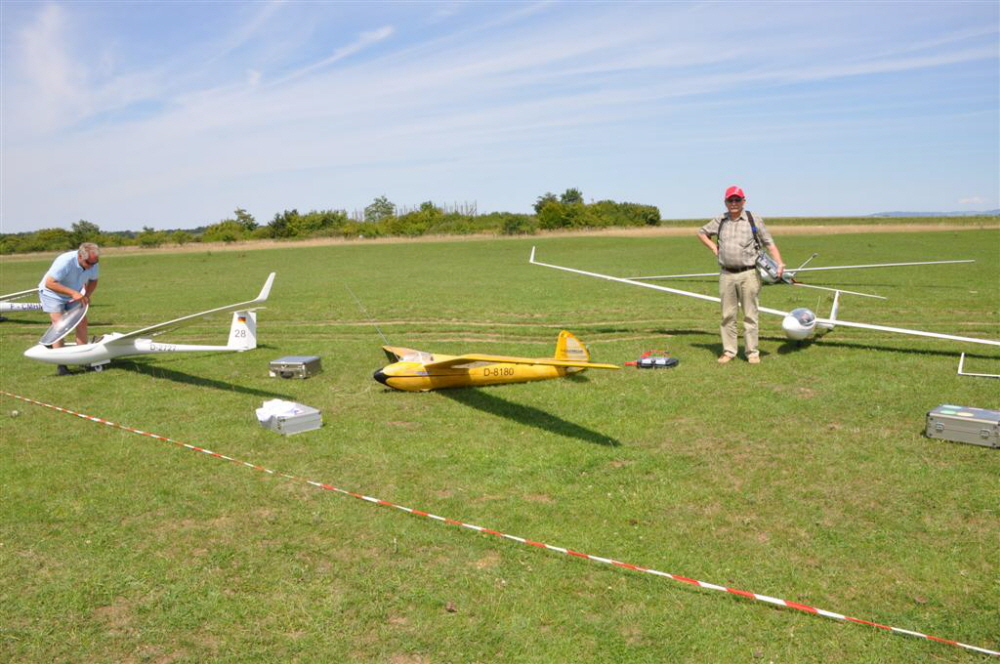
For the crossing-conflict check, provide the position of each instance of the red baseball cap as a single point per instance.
(734, 191)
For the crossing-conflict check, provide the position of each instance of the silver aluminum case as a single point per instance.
(975, 426)
(295, 366)
(308, 420)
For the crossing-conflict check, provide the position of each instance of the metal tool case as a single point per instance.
(975, 426)
(286, 425)
(295, 366)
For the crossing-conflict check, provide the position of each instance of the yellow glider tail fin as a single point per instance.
(568, 347)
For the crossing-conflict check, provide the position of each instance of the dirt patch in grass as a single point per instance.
(489, 561)
(117, 616)
(409, 659)
(539, 498)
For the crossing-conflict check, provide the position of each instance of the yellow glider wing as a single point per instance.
(475, 358)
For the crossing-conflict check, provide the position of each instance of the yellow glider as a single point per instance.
(417, 371)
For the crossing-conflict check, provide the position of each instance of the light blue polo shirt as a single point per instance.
(67, 271)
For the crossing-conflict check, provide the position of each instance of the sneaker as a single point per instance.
(754, 359)
(725, 358)
(62, 370)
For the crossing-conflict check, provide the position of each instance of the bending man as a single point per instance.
(70, 282)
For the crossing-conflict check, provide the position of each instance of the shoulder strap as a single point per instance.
(753, 228)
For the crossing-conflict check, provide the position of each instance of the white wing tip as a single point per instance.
(266, 290)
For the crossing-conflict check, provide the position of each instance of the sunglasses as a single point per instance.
(734, 199)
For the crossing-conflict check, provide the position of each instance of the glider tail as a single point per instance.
(243, 331)
(836, 305)
(568, 347)
(823, 328)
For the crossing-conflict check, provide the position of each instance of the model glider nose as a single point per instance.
(36, 352)
(381, 377)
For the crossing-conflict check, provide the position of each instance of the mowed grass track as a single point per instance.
(806, 478)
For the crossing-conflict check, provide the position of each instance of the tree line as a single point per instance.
(380, 219)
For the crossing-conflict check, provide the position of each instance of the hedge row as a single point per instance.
(290, 224)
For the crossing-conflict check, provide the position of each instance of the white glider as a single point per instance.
(798, 324)
(242, 337)
(8, 306)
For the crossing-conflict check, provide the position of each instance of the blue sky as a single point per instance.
(173, 114)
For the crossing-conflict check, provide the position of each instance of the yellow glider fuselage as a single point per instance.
(415, 377)
(418, 371)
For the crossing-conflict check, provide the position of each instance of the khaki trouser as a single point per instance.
(740, 289)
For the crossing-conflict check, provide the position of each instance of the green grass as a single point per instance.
(806, 478)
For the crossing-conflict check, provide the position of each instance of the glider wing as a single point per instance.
(160, 328)
(865, 267)
(776, 312)
(475, 358)
(632, 282)
(903, 330)
(19, 294)
(807, 269)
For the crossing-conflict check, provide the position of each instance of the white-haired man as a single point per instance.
(70, 282)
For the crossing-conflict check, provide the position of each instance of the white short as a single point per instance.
(52, 304)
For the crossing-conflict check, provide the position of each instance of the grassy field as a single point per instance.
(806, 478)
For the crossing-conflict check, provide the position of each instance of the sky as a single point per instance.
(174, 114)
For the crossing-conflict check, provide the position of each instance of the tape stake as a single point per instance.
(533, 543)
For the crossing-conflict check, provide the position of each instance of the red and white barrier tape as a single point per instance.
(635, 568)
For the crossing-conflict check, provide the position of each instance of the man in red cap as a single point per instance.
(740, 236)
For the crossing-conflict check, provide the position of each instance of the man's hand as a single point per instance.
(707, 241)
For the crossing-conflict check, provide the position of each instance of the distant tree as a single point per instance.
(84, 231)
(150, 237)
(516, 224)
(181, 237)
(547, 197)
(380, 209)
(579, 215)
(114, 239)
(318, 222)
(571, 196)
(551, 215)
(283, 225)
(227, 230)
(649, 214)
(10, 244)
(50, 239)
(420, 221)
(245, 219)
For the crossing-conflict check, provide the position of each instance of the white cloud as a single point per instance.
(252, 29)
(364, 40)
(44, 71)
